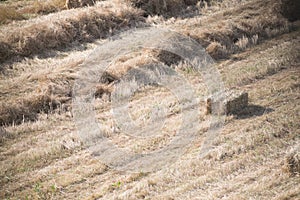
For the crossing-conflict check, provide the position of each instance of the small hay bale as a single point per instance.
(233, 103)
(292, 162)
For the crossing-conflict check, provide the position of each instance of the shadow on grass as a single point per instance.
(253, 111)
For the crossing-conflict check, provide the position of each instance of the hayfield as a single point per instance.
(255, 45)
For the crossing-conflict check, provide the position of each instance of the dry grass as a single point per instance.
(178, 181)
(8, 14)
(162, 7)
(16, 112)
(44, 99)
(79, 3)
(290, 10)
(61, 29)
(50, 87)
(292, 162)
(46, 90)
(44, 159)
(278, 56)
(22, 110)
(43, 7)
(232, 30)
(20, 10)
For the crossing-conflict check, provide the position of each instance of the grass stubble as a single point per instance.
(256, 155)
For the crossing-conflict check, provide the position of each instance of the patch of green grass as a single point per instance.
(117, 184)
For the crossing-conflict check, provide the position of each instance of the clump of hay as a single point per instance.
(162, 7)
(216, 50)
(292, 162)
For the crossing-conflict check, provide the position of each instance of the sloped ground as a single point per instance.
(41, 156)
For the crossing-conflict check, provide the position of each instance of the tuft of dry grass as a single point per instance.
(216, 50)
(292, 162)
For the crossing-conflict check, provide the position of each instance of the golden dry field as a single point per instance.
(255, 45)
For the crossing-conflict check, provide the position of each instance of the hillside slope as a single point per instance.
(255, 156)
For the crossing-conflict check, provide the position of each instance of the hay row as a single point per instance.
(44, 94)
(162, 7)
(38, 94)
(8, 14)
(234, 30)
(25, 110)
(60, 29)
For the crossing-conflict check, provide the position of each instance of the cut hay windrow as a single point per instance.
(39, 95)
(27, 109)
(24, 110)
(8, 14)
(166, 7)
(231, 31)
(58, 30)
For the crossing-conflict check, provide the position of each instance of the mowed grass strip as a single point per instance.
(233, 30)
(11, 11)
(58, 30)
